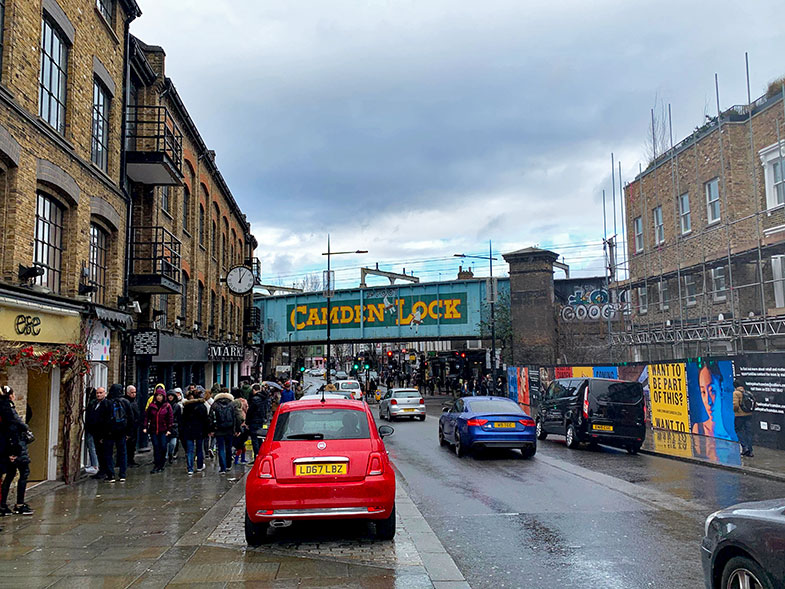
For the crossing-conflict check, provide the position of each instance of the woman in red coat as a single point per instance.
(157, 424)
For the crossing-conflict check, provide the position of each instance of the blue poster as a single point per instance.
(512, 382)
(606, 372)
(710, 394)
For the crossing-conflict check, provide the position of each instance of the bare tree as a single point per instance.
(658, 133)
(310, 282)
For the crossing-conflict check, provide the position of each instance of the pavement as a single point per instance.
(175, 530)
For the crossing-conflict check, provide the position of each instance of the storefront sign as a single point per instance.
(146, 343)
(98, 342)
(27, 324)
(225, 352)
(668, 390)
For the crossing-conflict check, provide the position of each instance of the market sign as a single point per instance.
(32, 324)
(427, 309)
(225, 353)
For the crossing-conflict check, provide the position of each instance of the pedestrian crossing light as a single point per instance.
(366, 366)
(356, 366)
(302, 368)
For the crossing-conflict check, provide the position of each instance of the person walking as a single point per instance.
(743, 419)
(92, 456)
(224, 423)
(194, 429)
(134, 421)
(241, 407)
(256, 417)
(117, 413)
(174, 430)
(96, 423)
(17, 435)
(157, 424)
(287, 394)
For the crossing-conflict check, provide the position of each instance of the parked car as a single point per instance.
(743, 546)
(350, 386)
(595, 410)
(402, 403)
(322, 460)
(341, 375)
(487, 422)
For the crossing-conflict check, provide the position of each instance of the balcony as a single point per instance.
(252, 319)
(154, 146)
(155, 261)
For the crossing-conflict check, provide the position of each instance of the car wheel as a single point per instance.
(460, 451)
(572, 437)
(442, 441)
(541, 433)
(742, 572)
(255, 534)
(381, 415)
(385, 528)
(633, 448)
(529, 450)
(422, 417)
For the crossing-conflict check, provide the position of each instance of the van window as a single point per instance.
(616, 392)
(558, 389)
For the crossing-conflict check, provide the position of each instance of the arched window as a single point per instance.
(99, 247)
(184, 301)
(214, 241)
(186, 209)
(48, 253)
(201, 224)
(223, 315)
(199, 304)
(212, 310)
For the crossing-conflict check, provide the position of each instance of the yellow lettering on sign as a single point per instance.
(421, 308)
(299, 310)
(347, 315)
(313, 316)
(358, 313)
(401, 319)
(433, 310)
(451, 309)
(375, 312)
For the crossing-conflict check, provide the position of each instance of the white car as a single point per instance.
(402, 403)
(350, 386)
(341, 375)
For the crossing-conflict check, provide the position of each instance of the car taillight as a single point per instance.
(527, 422)
(266, 470)
(422, 401)
(393, 402)
(476, 422)
(375, 465)
(586, 403)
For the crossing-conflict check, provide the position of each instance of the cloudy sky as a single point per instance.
(416, 129)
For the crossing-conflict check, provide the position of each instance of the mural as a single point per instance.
(589, 301)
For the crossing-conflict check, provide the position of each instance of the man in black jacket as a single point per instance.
(17, 460)
(134, 421)
(256, 417)
(95, 425)
(118, 416)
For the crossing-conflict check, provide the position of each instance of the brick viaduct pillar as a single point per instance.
(531, 306)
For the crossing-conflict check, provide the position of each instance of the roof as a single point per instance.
(528, 251)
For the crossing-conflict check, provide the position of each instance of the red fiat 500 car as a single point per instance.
(321, 460)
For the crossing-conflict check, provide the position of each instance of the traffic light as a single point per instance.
(389, 354)
(356, 366)
(463, 354)
(366, 366)
(302, 368)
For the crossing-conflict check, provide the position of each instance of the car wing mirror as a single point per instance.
(386, 430)
(445, 409)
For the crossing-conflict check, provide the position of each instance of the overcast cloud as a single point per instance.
(417, 129)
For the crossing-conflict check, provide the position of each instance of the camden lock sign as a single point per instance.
(380, 312)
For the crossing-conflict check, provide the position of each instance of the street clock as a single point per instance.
(240, 280)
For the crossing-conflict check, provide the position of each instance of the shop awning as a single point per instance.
(116, 318)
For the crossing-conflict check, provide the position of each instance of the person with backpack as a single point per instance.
(174, 431)
(743, 407)
(224, 424)
(157, 424)
(134, 421)
(118, 418)
(194, 428)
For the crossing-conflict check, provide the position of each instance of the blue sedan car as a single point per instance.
(487, 422)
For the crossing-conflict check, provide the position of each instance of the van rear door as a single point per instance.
(616, 408)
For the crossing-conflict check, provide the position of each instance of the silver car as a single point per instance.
(402, 403)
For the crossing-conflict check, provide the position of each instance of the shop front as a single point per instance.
(169, 359)
(225, 364)
(43, 359)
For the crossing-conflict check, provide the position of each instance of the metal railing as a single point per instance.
(152, 129)
(155, 251)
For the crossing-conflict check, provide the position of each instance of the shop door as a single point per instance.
(38, 398)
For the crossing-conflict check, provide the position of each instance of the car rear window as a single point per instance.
(494, 406)
(322, 424)
(350, 385)
(406, 394)
(617, 392)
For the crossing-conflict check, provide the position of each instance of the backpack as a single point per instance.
(223, 416)
(118, 420)
(747, 403)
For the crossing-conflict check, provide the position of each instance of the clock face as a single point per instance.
(240, 280)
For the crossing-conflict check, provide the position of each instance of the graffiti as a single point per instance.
(588, 303)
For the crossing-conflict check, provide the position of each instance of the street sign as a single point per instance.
(491, 290)
(328, 281)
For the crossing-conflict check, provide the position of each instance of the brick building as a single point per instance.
(706, 240)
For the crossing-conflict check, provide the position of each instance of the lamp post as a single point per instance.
(328, 293)
(492, 298)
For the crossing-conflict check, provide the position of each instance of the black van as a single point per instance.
(596, 410)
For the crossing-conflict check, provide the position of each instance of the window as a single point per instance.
(690, 290)
(100, 144)
(638, 227)
(166, 204)
(773, 160)
(778, 275)
(53, 76)
(184, 300)
(231, 317)
(659, 227)
(779, 187)
(643, 300)
(99, 244)
(212, 310)
(201, 224)
(713, 201)
(199, 303)
(49, 217)
(719, 283)
(163, 308)
(662, 288)
(222, 318)
(213, 241)
(105, 7)
(186, 208)
(223, 249)
(685, 222)
(2, 27)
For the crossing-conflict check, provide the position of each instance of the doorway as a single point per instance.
(39, 387)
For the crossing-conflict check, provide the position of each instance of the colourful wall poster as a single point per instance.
(710, 389)
(668, 393)
(606, 372)
(523, 386)
(764, 376)
(672, 443)
(562, 371)
(512, 382)
(582, 371)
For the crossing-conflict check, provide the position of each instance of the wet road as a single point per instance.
(566, 518)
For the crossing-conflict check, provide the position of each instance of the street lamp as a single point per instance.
(492, 298)
(328, 293)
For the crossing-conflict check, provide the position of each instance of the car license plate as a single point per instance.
(504, 424)
(408, 410)
(602, 428)
(327, 469)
